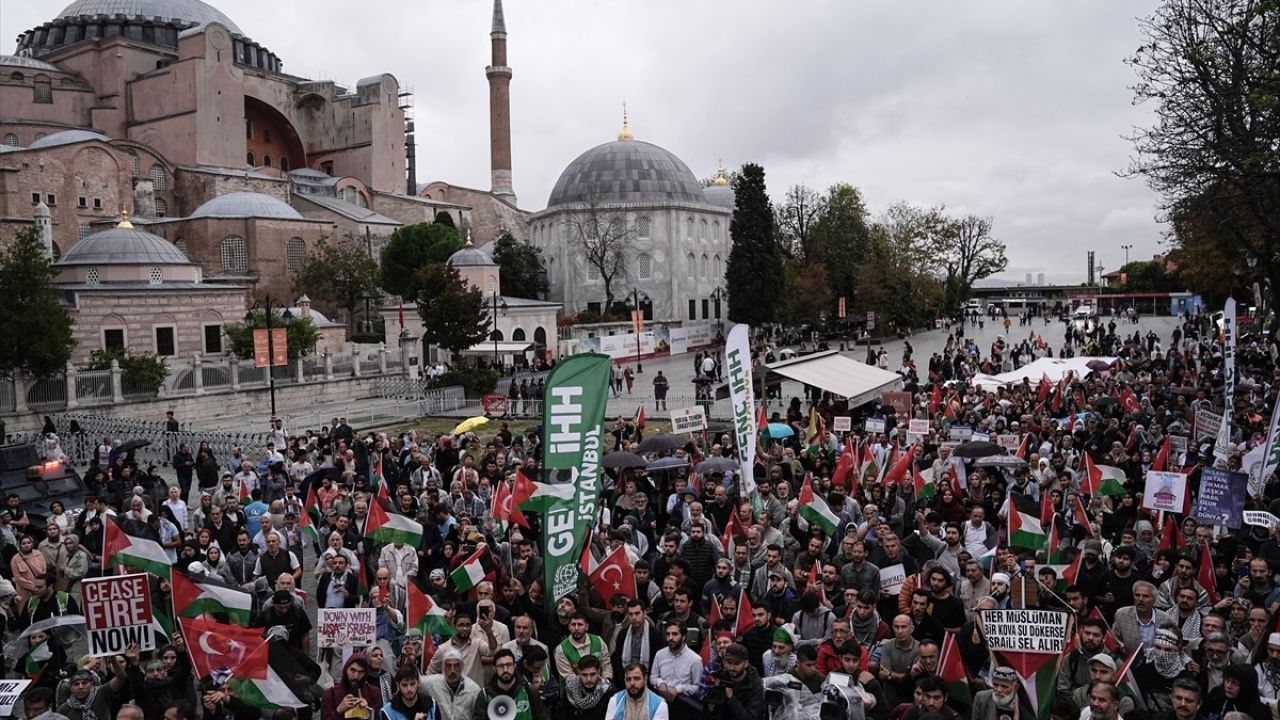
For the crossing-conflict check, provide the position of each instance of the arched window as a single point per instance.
(157, 178)
(250, 159)
(644, 266)
(642, 226)
(162, 208)
(295, 254)
(517, 334)
(689, 226)
(702, 231)
(691, 262)
(540, 336)
(11, 140)
(43, 90)
(266, 161)
(235, 254)
(349, 195)
(593, 273)
(715, 231)
(702, 266)
(495, 335)
(137, 163)
(17, 77)
(360, 201)
(715, 267)
(490, 285)
(284, 163)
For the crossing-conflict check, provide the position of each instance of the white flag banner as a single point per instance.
(1222, 447)
(737, 356)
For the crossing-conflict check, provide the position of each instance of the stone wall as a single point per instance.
(140, 312)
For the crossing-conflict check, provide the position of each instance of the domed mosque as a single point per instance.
(673, 234)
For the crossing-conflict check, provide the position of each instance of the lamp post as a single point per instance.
(498, 304)
(1126, 249)
(637, 297)
(271, 348)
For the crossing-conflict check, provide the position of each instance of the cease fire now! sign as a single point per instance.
(117, 613)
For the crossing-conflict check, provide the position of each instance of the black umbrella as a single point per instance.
(622, 459)
(1010, 462)
(1098, 365)
(660, 443)
(316, 479)
(716, 465)
(977, 449)
(131, 445)
(1103, 401)
(667, 463)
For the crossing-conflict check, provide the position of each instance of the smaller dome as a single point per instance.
(123, 245)
(28, 63)
(470, 256)
(720, 196)
(68, 137)
(245, 204)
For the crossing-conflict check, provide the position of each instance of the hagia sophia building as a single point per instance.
(230, 172)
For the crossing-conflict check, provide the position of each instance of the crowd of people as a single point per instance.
(741, 609)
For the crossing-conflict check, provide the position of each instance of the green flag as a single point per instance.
(573, 446)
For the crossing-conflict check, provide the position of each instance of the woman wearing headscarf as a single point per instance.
(1237, 693)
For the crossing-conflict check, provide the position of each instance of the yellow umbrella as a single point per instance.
(470, 424)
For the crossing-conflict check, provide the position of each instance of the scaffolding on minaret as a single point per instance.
(410, 145)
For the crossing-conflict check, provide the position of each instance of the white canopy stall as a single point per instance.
(838, 374)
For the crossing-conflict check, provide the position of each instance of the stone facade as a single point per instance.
(139, 312)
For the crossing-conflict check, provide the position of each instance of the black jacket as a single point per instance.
(349, 581)
(747, 702)
(656, 643)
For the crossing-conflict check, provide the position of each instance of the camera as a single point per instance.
(835, 705)
(716, 687)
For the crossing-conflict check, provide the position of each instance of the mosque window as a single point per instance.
(491, 285)
(248, 129)
(162, 208)
(83, 231)
(235, 254)
(702, 266)
(155, 276)
(157, 178)
(360, 201)
(295, 254)
(97, 203)
(82, 202)
(715, 267)
(518, 334)
(593, 273)
(137, 164)
(250, 159)
(702, 231)
(715, 231)
(349, 194)
(93, 277)
(689, 225)
(165, 341)
(43, 90)
(642, 226)
(691, 263)
(644, 266)
(266, 161)
(113, 339)
(496, 335)
(17, 77)
(11, 140)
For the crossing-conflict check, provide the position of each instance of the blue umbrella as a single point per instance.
(780, 430)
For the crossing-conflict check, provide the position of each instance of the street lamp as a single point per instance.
(271, 348)
(638, 297)
(1126, 249)
(717, 296)
(498, 304)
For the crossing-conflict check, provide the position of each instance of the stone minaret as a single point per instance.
(499, 108)
(44, 225)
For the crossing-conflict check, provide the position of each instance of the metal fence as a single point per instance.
(48, 394)
(80, 435)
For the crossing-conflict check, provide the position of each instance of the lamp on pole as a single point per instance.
(1126, 249)
(249, 320)
(637, 298)
(717, 296)
(498, 304)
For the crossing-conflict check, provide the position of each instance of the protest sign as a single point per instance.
(117, 613)
(10, 690)
(1261, 518)
(842, 423)
(899, 401)
(891, 578)
(340, 627)
(1221, 497)
(1165, 491)
(1207, 424)
(690, 419)
(980, 436)
(1177, 449)
(874, 425)
(1009, 441)
(918, 427)
(961, 432)
(1026, 631)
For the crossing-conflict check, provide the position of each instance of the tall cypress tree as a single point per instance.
(756, 275)
(36, 323)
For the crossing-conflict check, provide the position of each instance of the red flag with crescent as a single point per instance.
(215, 646)
(614, 574)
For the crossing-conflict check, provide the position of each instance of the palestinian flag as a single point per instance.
(925, 486)
(1055, 542)
(470, 572)
(1079, 515)
(1037, 670)
(1024, 447)
(36, 660)
(1024, 523)
(1071, 574)
(380, 482)
(384, 527)
(952, 671)
(1161, 460)
(246, 490)
(732, 529)
(815, 510)
(869, 469)
(120, 548)
(1126, 682)
(275, 675)
(309, 519)
(1047, 510)
(1102, 479)
(988, 559)
(425, 615)
(762, 427)
(194, 596)
(537, 496)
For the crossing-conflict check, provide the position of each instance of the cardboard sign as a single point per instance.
(10, 690)
(494, 404)
(691, 419)
(117, 613)
(1040, 632)
(980, 436)
(842, 423)
(891, 578)
(899, 401)
(1165, 491)
(1009, 441)
(1220, 500)
(962, 433)
(918, 427)
(1207, 424)
(1260, 518)
(342, 627)
(1177, 448)
(874, 425)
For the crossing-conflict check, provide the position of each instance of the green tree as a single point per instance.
(756, 275)
(968, 254)
(795, 217)
(1149, 276)
(412, 248)
(340, 275)
(36, 323)
(807, 299)
(141, 371)
(1212, 152)
(302, 335)
(840, 239)
(524, 274)
(453, 313)
(899, 277)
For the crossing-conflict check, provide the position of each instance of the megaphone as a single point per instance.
(502, 708)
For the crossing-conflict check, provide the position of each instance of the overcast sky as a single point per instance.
(1006, 108)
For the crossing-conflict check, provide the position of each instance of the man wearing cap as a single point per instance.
(762, 584)
(1075, 672)
(284, 612)
(1136, 624)
(781, 657)
(1001, 701)
(1102, 669)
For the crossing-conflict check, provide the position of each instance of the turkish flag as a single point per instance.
(502, 502)
(524, 489)
(614, 575)
(218, 647)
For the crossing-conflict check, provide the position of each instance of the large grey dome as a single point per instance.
(626, 171)
(68, 137)
(186, 11)
(245, 204)
(123, 245)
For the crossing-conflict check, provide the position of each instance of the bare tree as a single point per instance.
(795, 217)
(970, 253)
(605, 237)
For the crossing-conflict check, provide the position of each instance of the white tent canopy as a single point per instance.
(507, 347)
(1053, 368)
(838, 374)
